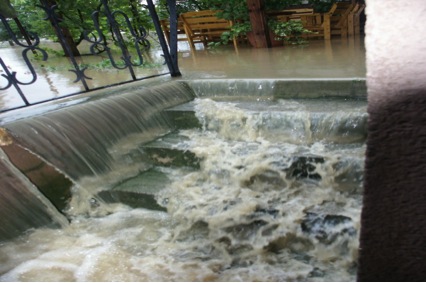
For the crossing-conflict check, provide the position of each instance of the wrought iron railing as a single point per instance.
(139, 41)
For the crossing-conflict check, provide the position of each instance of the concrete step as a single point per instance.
(295, 120)
(340, 121)
(281, 88)
(138, 191)
(164, 152)
(183, 116)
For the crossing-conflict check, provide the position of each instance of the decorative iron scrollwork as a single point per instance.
(55, 20)
(138, 39)
(11, 77)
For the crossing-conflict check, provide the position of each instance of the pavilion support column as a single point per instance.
(393, 220)
(260, 32)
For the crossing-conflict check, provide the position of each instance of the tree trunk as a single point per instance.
(136, 18)
(261, 38)
(68, 44)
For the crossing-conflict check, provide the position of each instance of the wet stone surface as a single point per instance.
(327, 228)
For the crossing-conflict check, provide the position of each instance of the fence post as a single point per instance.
(169, 55)
(54, 16)
(63, 36)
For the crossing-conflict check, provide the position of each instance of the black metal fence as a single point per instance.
(127, 62)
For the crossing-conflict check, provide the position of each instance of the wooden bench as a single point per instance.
(290, 12)
(339, 18)
(165, 26)
(317, 23)
(354, 19)
(310, 20)
(204, 27)
(324, 25)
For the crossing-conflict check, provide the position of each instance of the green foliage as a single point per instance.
(280, 4)
(238, 29)
(237, 12)
(6, 10)
(4, 35)
(182, 6)
(291, 31)
(102, 65)
(76, 16)
(32, 17)
(234, 10)
(52, 53)
(321, 6)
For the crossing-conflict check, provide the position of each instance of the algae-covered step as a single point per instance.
(183, 116)
(171, 151)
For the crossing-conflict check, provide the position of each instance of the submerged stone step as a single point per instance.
(183, 116)
(320, 88)
(149, 182)
(138, 191)
(135, 200)
(281, 88)
(164, 152)
(336, 120)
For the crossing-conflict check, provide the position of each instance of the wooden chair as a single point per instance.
(354, 19)
(204, 27)
(305, 15)
(165, 26)
(317, 23)
(290, 13)
(339, 18)
(325, 25)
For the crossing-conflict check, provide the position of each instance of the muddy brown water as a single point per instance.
(275, 197)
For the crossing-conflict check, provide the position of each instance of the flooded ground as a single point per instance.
(274, 198)
(319, 59)
(338, 58)
(54, 78)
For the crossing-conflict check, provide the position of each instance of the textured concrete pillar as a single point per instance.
(393, 223)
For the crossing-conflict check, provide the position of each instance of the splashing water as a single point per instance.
(276, 198)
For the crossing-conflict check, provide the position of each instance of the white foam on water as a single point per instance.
(259, 209)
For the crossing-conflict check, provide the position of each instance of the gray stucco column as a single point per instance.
(393, 222)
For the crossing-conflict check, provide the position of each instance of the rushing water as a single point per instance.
(277, 197)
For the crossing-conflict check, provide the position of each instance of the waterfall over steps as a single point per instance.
(90, 139)
(112, 143)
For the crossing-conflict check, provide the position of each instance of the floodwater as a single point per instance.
(338, 58)
(248, 213)
(54, 78)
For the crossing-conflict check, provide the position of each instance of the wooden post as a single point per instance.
(261, 38)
